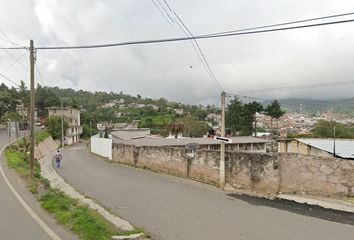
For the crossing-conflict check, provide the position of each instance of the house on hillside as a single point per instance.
(25, 112)
(72, 117)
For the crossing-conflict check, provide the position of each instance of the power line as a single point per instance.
(163, 8)
(12, 56)
(297, 87)
(188, 38)
(40, 76)
(163, 15)
(152, 41)
(283, 24)
(9, 40)
(195, 45)
(8, 79)
(14, 62)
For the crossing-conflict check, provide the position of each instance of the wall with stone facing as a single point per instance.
(261, 172)
(251, 171)
(45, 148)
(316, 175)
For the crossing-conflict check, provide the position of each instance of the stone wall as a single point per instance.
(45, 147)
(261, 172)
(316, 175)
(251, 171)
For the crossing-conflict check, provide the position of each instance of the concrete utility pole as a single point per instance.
(31, 162)
(222, 144)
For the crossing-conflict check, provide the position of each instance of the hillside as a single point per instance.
(312, 106)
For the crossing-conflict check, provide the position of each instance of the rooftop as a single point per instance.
(129, 134)
(160, 142)
(344, 148)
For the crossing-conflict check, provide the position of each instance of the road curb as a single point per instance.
(57, 182)
(333, 204)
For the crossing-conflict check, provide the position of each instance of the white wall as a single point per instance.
(101, 146)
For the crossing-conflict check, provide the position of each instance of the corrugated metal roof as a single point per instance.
(344, 148)
(153, 141)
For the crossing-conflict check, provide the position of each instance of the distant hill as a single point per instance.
(312, 106)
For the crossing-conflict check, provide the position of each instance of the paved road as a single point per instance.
(172, 208)
(15, 222)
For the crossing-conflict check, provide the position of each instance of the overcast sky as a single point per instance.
(173, 70)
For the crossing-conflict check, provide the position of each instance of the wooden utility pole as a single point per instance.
(31, 162)
(222, 144)
(334, 141)
(62, 123)
(9, 131)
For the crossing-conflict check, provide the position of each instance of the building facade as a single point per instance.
(72, 117)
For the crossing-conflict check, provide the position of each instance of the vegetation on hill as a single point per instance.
(343, 107)
(156, 114)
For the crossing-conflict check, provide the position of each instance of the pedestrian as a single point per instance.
(58, 157)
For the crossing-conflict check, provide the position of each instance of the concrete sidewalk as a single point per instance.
(328, 203)
(338, 204)
(57, 182)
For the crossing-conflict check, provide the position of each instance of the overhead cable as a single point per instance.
(207, 36)
(292, 88)
(8, 79)
(188, 38)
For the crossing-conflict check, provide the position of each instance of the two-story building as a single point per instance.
(72, 117)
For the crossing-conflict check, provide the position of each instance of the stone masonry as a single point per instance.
(261, 172)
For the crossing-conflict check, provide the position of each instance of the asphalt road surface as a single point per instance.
(15, 222)
(171, 208)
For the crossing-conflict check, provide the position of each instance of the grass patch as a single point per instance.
(19, 162)
(80, 219)
(83, 221)
(40, 136)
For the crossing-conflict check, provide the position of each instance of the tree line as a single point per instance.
(241, 119)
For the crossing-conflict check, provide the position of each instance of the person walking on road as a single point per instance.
(58, 157)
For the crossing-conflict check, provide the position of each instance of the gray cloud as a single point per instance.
(296, 57)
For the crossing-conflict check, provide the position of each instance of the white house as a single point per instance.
(72, 117)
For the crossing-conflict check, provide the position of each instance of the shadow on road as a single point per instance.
(298, 208)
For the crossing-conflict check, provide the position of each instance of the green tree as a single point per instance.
(7, 103)
(274, 111)
(324, 129)
(241, 116)
(233, 115)
(24, 94)
(250, 113)
(54, 126)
